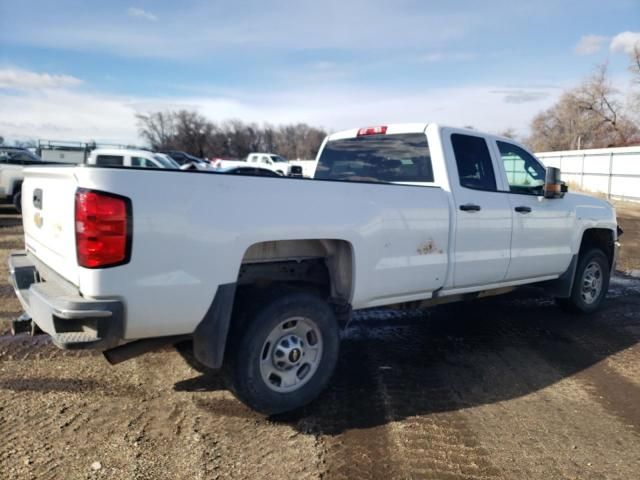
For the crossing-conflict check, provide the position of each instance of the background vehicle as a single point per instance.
(12, 163)
(272, 161)
(184, 158)
(269, 161)
(123, 157)
(247, 170)
(406, 214)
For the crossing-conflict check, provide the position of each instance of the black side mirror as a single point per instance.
(553, 186)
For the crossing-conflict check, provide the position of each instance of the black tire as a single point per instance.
(576, 303)
(249, 349)
(185, 349)
(17, 201)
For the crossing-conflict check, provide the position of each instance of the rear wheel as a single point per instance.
(590, 284)
(285, 353)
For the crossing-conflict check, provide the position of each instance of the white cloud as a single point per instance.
(19, 79)
(82, 116)
(435, 57)
(625, 42)
(590, 44)
(140, 13)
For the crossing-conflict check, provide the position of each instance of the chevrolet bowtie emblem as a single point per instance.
(37, 219)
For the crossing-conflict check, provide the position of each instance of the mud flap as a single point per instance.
(210, 337)
(561, 286)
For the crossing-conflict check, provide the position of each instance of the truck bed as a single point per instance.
(192, 230)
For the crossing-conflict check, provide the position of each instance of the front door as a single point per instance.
(542, 227)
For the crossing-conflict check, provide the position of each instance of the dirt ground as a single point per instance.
(504, 388)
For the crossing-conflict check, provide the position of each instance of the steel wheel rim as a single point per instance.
(291, 354)
(592, 279)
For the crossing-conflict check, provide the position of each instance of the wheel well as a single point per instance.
(326, 264)
(601, 238)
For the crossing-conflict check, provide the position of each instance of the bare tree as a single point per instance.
(588, 116)
(157, 128)
(509, 132)
(193, 133)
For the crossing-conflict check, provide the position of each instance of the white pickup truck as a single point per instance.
(126, 259)
(270, 161)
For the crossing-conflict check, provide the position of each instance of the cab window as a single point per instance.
(524, 172)
(474, 162)
(110, 160)
(142, 162)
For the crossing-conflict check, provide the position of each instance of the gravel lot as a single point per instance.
(508, 387)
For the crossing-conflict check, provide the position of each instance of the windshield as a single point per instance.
(9, 154)
(278, 159)
(166, 161)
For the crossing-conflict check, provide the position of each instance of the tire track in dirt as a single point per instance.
(433, 437)
(583, 347)
(390, 412)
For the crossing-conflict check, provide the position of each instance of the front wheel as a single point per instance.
(285, 354)
(590, 283)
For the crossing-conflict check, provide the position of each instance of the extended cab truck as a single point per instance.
(125, 259)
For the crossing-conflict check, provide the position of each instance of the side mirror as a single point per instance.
(553, 186)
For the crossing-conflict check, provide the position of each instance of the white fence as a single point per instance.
(614, 171)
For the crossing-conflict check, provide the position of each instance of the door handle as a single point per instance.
(523, 209)
(470, 207)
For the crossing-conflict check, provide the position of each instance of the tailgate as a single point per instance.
(48, 217)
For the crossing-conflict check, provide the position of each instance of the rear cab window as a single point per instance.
(395, 158)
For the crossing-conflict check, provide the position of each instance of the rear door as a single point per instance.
(48, 203)
(482, 213)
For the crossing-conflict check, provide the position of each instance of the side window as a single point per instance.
(265, 159)
(474, 162)
(524, 172)
(109, 160)
(142, 162)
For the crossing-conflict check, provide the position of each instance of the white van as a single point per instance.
(124, 157)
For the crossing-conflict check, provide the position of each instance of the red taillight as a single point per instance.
(102, 229)
(372, 131)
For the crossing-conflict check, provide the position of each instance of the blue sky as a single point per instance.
(81, 70)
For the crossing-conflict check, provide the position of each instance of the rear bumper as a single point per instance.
(74, 322)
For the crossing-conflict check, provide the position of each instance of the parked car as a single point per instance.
(12, 163)
(183, 158)
(125, 157)
(247, 170)
(416, 214)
